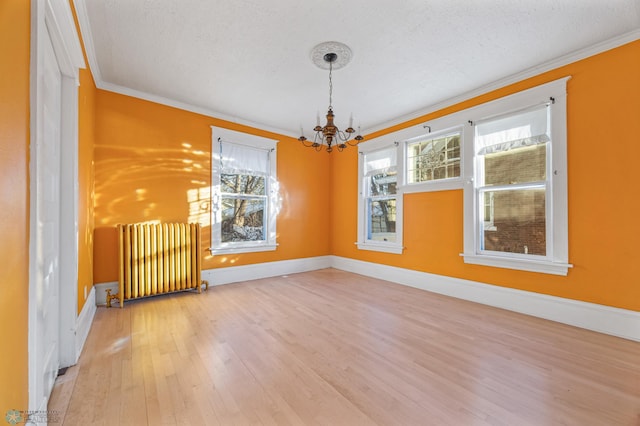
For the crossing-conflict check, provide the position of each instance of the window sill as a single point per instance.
(433, 185)
(543, 267)
(385, 248)
(244, 249)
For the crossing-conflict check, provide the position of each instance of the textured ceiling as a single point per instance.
(249, 60)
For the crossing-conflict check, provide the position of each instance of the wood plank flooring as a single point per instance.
(333, 348)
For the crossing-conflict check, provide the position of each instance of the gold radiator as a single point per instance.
(157, 259)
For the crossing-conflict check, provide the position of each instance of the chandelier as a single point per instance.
(331, 55)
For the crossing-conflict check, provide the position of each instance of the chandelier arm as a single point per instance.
(329, 134)
(343, 136)
(310, 144)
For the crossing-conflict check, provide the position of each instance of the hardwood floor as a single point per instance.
(334, 348)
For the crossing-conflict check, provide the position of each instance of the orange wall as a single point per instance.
(14, 196)
(149, 157)
(86, 125)
(152, 163)
(603, 110)
(86, 135)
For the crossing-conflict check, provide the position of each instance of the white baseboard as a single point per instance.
(84, 321)
(234, 274)
(257, 271)
(604, 319)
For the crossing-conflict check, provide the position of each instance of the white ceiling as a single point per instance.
(249, 60)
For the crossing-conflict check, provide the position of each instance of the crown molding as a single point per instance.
(514, 78)
(191, 108)
(87, 37)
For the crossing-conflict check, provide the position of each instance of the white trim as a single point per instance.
(382, 247)
(161, 100)
(53, 19)
(514, 78)
(87, 40)
(448, 184)
(603, 319)
(38, 35)
(242, 138)
(83, 323)
(555, 268)
(69, 235)
(252, 248)
(232, 274)
(64, 37)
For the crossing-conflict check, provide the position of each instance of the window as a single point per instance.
(512, 181)
(380, 203)
(244, 192)
(434, 158)
(516, 187)
(433, 161)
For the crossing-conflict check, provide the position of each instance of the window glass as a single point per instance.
(242, 219)
(382, 219)
(383, 183)
(527, 164)
(433, 159)
(517, 221)
(243, 184)
(243, 207)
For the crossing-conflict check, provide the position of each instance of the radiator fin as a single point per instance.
(158, 259)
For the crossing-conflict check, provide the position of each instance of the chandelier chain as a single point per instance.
(330, 135)
(330, 85)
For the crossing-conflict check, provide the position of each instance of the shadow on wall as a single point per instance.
(140, 185)
(152, 185)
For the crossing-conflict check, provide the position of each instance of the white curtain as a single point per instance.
(517, 130)
(384, 160)
(242, 159)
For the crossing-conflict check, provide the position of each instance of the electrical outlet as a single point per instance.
(85, 292)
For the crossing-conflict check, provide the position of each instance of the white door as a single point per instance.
(47, 237)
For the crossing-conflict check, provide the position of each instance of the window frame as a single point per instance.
(363, 242)
(435, 128)
(555, 261)
(434, 184)
(221, 135)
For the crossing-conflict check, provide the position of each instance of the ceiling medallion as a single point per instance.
(331, 55)
(342, 51)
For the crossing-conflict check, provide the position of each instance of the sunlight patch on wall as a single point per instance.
(140, 194)
(199, 200)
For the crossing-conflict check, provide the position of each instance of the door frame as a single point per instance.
(54, 19)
